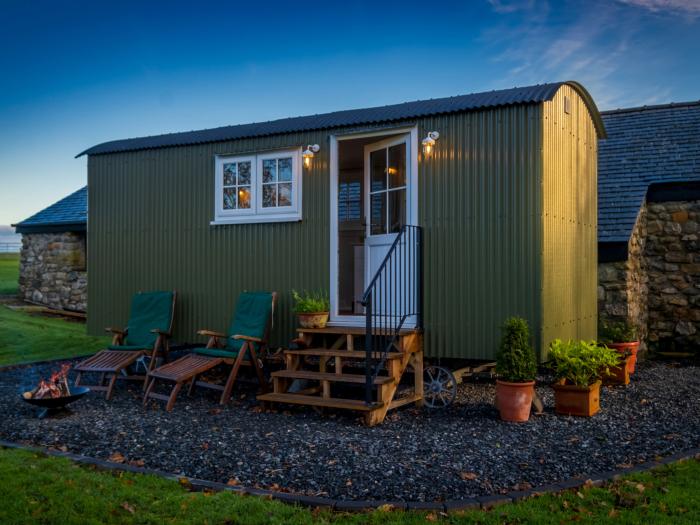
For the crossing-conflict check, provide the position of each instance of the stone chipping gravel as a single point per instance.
(415, 455)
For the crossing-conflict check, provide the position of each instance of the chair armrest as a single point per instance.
(247, 338)
(210, 333)
(115, 331)
(160, 332)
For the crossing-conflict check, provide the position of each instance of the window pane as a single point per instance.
(285, 169)
(285, 194)
(230, 174)
(377, 161)
(397, 210)
(378, 214)
(397, 166)
(244, 173)
(230, 198)
(269, 196)
(244, 197)
(269, 170)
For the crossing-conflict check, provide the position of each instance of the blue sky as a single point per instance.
(79, 73)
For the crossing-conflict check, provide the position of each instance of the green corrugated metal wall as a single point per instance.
(480, 202)
(570, 221)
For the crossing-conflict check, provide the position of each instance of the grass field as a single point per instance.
(37, 489)
(25, 337)
(9, 273)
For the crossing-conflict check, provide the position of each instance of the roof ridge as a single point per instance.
(639, 109)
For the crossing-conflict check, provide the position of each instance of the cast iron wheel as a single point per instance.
(439, 387)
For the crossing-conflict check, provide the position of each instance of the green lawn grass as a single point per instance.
(26, 337)
(37, 489)
(9, 273)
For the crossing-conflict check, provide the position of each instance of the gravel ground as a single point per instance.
(416, 455)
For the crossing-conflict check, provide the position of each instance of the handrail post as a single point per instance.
(368, 347)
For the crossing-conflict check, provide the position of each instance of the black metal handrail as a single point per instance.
(392, 300)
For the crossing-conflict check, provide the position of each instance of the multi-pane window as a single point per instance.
(258, 188)
(387, 189)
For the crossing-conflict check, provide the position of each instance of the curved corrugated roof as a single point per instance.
(645, 146)
(70, 211)
(354, 117)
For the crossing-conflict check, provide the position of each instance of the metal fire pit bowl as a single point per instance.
(52, 405)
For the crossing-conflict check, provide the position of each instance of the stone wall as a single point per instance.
(672, 257)
(623, 285)
(658, 288)
(53, 270)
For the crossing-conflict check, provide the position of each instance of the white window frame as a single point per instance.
(256, 213)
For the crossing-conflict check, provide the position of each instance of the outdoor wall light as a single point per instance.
(429, 141)
(309, 153)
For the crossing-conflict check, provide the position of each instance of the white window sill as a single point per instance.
(256, 219)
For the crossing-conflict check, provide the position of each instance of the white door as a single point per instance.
(388, 198)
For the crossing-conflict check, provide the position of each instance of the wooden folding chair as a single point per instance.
(148, 332)
(246, 339)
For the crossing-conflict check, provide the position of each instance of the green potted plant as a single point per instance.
(312, 308)
(516, 367)
(578, 367)
(620, 336)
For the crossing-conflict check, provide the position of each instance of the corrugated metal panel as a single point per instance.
(479, 202)
(149, 229)
(353, 117)
(570, 248)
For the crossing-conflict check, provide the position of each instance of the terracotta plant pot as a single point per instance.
(514, 400)
(620, 374)
(575, 400)
(313, 319)
(632, 348)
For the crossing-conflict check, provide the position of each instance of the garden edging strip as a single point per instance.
(483, 502)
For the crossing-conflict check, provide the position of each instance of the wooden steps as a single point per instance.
(336, 351)
(330, 376)
(349, 354)
(331, 402)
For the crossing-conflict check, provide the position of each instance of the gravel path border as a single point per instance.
(483, 502)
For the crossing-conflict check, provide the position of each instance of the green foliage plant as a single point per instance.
(616, 332)
(310, 302)
(516, 362)
(581, 363)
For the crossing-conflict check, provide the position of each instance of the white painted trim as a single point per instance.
(256, 213)
(359, 320)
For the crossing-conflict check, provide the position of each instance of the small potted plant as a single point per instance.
(578, 367)
(619, 374)
(312, 308)
(516, 366)
(620, 336)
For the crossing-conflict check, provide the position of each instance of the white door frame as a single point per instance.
(359, 320)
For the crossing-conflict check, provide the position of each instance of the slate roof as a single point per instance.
(647, 145)
(69, 213)
(354, 117)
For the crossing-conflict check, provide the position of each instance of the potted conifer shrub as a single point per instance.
(578, 367)
(312, 308)
(620, 336)
(516, 367)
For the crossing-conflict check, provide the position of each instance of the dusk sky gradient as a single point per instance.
(75, 74)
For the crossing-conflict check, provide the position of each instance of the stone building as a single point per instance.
(53, 257)
(649, 212)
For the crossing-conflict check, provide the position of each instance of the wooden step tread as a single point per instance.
(332, 402)
(330, 376)
(353, 330)
(350, 354)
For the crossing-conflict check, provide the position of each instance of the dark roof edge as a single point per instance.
(591, 105)
(669, 105)
(538, 94)
(51, 227)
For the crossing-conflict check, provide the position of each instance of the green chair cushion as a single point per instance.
(216, 352)
(149, 311)
(127, 347)
(251, 317)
